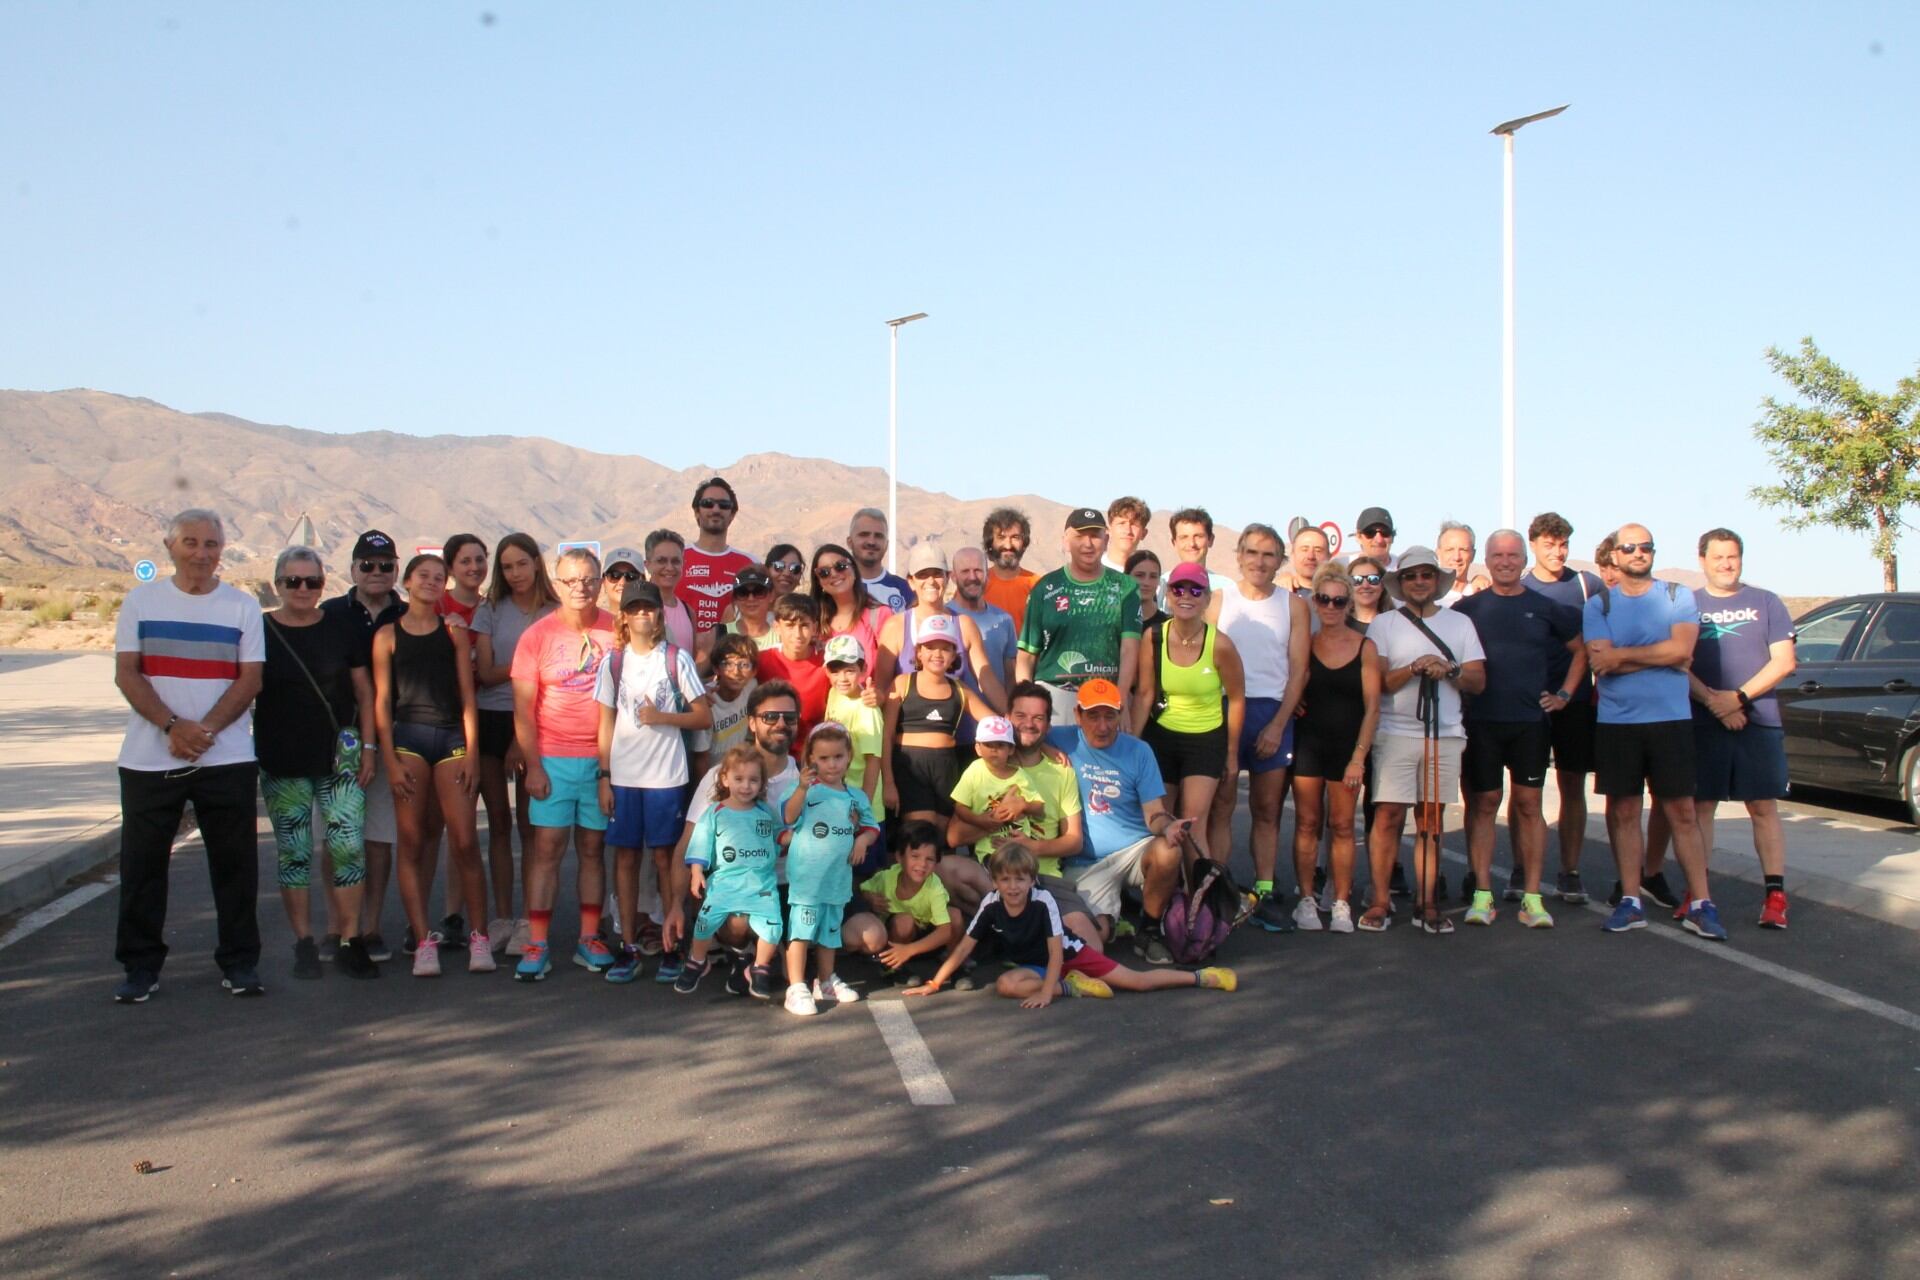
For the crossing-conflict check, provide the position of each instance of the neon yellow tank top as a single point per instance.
(1194, 694)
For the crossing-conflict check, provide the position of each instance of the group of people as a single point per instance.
(791, 756)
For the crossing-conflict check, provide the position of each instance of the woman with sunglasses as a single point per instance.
(1369, 579)
(1271, 631)
(430, 738)
(314, 736)
(519, 595)
(788, 569)
(1191, 698)
(750, 609)
(1144, 568)
(846, 609)
(1332, 739)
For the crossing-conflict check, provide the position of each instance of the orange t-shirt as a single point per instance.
(1011, 593)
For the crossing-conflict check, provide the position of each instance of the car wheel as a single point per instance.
(1910, 782)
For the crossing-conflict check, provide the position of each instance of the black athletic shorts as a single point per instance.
(925, 778)
(496, 734)
(1497, 749)
(1187, 755)
(1657, 757)
(1322, 756)
(1572, 729)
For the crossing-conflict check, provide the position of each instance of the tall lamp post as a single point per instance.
(893, 436)
(1505, 131)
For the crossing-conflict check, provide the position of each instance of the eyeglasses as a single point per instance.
(1418, 575)
(1633, 548)
(747, 593)
(577, 584)
(715, 504)
(779, 717)
(622, 575)
(1371, 579)
(833, 569)
(294, 582)
(734, 664)
(1331, 602)
(379, 566)
(787, 566)
(1186, 589)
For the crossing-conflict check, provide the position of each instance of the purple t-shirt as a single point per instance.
(1736, 632)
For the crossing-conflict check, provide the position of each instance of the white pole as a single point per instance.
(1507, 513)
(893, 445)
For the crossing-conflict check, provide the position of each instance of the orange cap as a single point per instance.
(1099, 693)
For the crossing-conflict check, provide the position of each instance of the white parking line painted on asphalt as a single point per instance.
(34, 921)
(926, 1087)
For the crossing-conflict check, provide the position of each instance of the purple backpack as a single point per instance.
(1203, 911)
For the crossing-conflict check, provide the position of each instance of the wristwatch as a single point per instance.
(1453, 671)
(1746, 703)
(1565, 695)
(599, 774)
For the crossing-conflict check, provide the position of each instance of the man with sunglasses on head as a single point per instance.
(1570, 723)
(1640, 639)
(556, 723)
(369, 604)
(710, 566)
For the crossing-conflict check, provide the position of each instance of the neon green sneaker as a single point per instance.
(1079, 984)
(1482, 912)
(1218, 977)
(1533, 913)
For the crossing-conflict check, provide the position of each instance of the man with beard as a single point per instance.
(998, 631)
(1570, 724)
(709, 567)
(867, 539)
(1005, 537)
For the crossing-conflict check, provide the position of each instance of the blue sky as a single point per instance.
(1240, 255)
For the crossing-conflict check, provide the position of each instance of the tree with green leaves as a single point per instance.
(1847, 455)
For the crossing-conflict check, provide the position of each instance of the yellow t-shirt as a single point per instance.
(867, 728)
(929, 906)
(1053, 785)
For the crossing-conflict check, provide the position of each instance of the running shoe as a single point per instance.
(408, 942)
(1704, 919)
(1342, 921)
(1571, 891)
(739, 982)
(626, 964)
(1270, 915)
(689, 980)
(1774, 914)
(760, 982)
(1482, 912)
(1627, 914)
(966, 980)
(592, 953)
(306, 959)
(329, 947)
(834, 989)
(1533, 912)
(426, 957)
(377, 948)
(480, 954)
(1217, 978)
(1397, 884)
(649, 940)
(670, 966)
(454, 926)
(1516, 885)
(534, 965)
(499, 932)
(353, 958)
(521, 936)
(137, 986)
(801, 1001)
(1469, 885)
(1151, 946)
(1655, 889)
(1319, 881)
(1080, 986)
(241, 980)
(1306, 915)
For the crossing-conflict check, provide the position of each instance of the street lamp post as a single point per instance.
(1505, 131)
(893, 436)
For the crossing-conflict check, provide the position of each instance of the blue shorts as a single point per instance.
(647, 817)
(762, 912)
(574, 800)
(1259, 714)
(430, 742)
(810, 922)
(1744, 764)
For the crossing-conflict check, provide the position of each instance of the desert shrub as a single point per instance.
(57, 608)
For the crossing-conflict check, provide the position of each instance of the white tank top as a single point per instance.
(1260, 630)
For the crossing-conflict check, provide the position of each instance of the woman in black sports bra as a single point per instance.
(923, 715)
(1330, 744)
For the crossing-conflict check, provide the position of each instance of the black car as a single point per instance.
(1852, 709)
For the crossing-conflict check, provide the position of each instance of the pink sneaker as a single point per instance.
(426, 957)
(480, 954)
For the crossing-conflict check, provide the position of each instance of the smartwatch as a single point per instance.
(600, 774)
(1746, 703)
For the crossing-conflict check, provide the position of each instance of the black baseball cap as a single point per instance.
(640, 592)
(752, 576)
(1373, 516)
(373, 543)
(1085, 518)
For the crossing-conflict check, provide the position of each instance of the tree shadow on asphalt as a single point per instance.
(1386, 1106)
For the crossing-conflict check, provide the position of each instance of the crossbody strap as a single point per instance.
(1406, 611)
(273, 629)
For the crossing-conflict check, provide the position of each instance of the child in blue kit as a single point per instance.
(733, 851)
(831, 826)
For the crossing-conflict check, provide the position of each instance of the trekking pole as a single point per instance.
(1427, 869)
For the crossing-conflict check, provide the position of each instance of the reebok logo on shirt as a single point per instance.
(1726, 622)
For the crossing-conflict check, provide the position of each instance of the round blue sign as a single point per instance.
(144, 570)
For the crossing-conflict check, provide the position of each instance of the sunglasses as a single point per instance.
(1186, 589)
(294, 582)
(715, 504)
(779, 717)
(622, 575)
(1633, 548)
(1417, 575)
(787, 566)
(1377, 531)
(1331, 602)
(747, 593)
(1371, 579)
(379, 566)
(833, 569)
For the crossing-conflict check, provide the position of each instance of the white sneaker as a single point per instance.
(426, 957)
(479, 954)
(835, 990)
(522, 934)
(1306, 916)
(1342, 921)
(800, 1000)
(499, 932)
